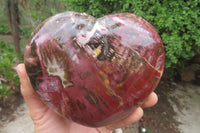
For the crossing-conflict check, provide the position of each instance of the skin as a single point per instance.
(47, 121)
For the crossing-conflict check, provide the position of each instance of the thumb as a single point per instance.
(35, 105)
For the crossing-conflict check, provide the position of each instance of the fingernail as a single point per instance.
(18, 69)
(15, 67)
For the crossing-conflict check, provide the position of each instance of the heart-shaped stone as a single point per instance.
(94, 71)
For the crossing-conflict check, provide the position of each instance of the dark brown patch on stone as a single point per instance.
(92, 98)
(81, 105)
(135, 62)
(80, 26)
(147, 73)
(33, 67)
(33, 49)
(159, 50)
(104, 103)
(84, 75)
(114, 26)
(91, 115)
(83, 88)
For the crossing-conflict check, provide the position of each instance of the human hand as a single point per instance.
(47, 121)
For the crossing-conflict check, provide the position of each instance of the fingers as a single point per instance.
(135, 116)
(151, 100)
(32, 99)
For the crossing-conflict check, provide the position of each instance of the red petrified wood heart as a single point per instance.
(94, 71)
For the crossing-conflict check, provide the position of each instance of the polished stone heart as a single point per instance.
(94, 71)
